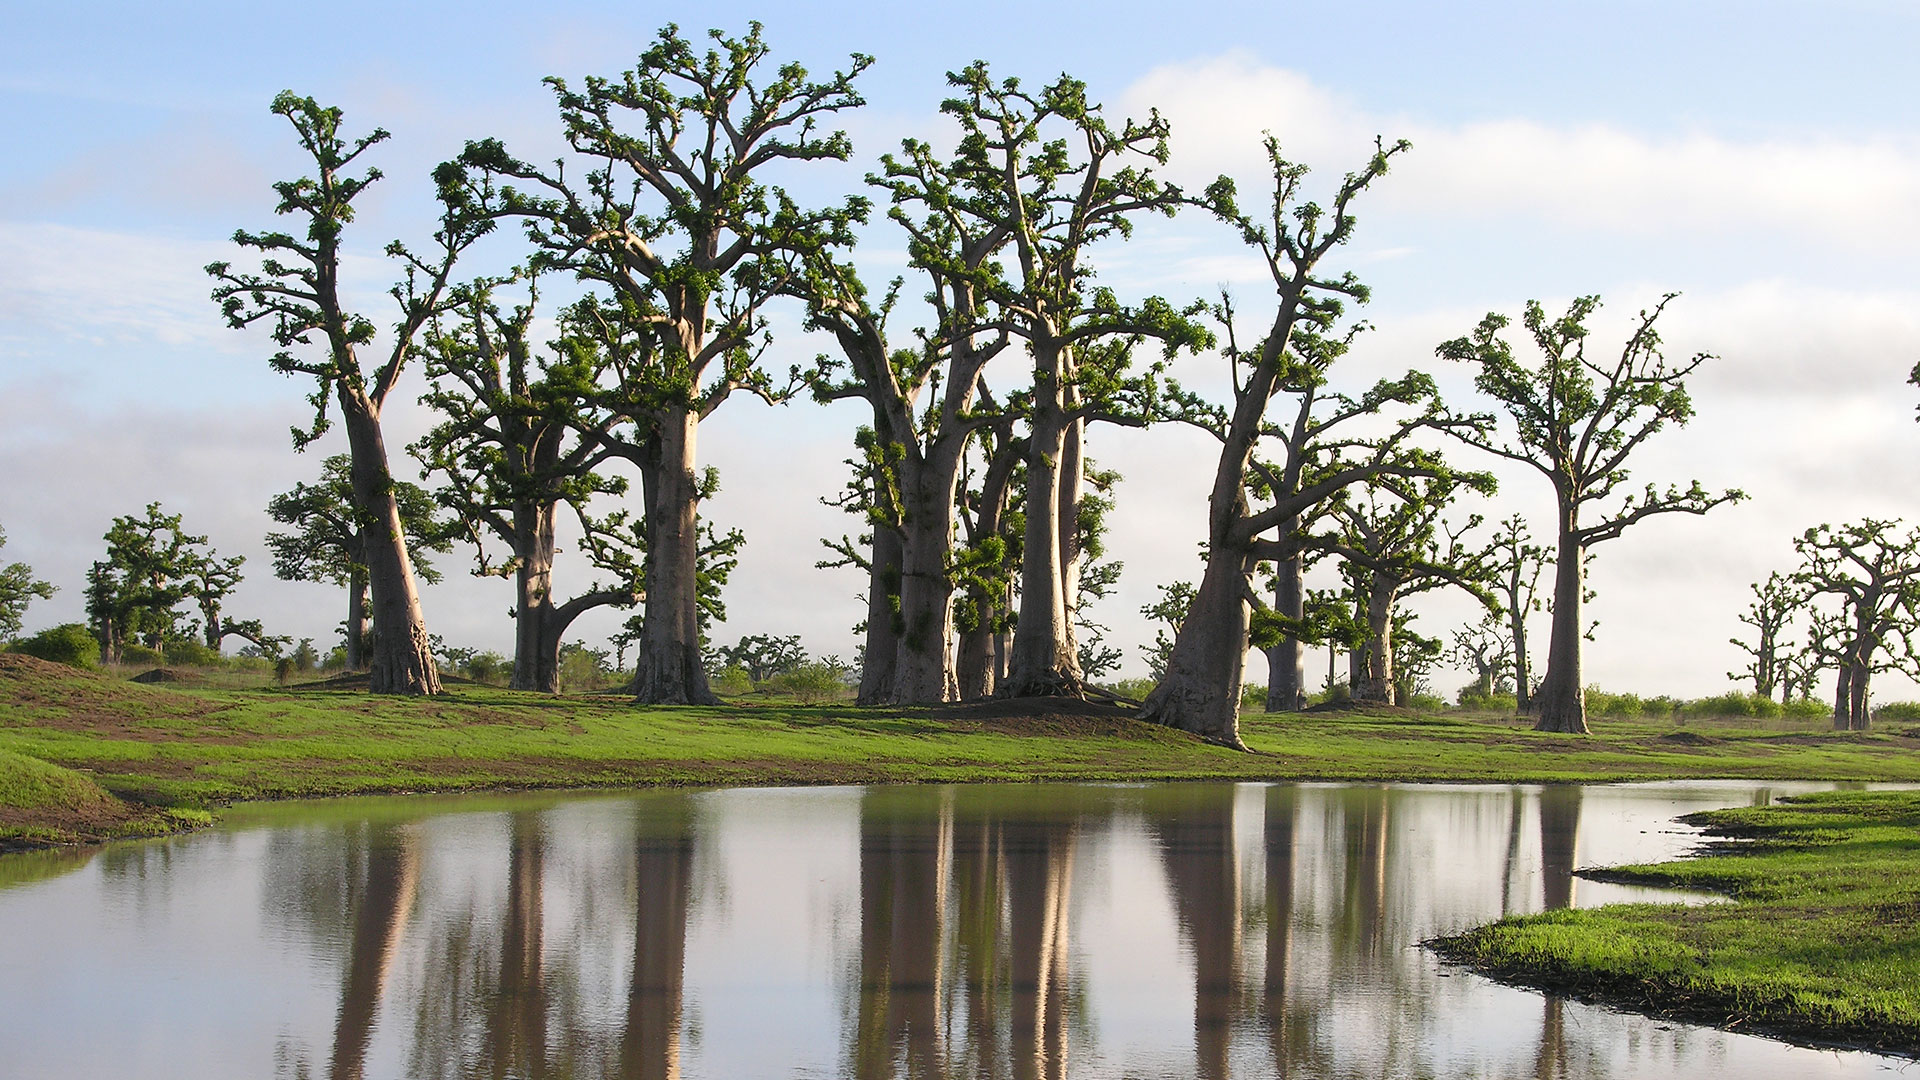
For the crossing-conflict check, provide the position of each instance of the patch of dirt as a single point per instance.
(362, 681)
(161, 675)
(1044, 716)
(1688, 738)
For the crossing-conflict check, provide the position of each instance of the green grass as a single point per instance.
(1821, 944)
(169, 753)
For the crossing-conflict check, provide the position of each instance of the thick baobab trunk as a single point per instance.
(1374, 677)
(1843, 698)
(1563, 697)
(1072, 483)
(880, 664)
(401, 655)
(1201, 690)
(358, 627)
(669, 668)
(1043, 662)
(980, 663)
(926, 671)
(536, 643)
(1286, 662)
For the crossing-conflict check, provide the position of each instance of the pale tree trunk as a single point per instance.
(1043, 662)
(1522, 688)
(669, 668)
(1200, 691)
(926, 671)
(880, 665)
(982, 651)
(1862, 676)
(1072, 479)
(1563, 696)
(1286, 662)
(402, 655)
(1376, 676)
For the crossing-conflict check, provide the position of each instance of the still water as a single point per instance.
(1207, 930)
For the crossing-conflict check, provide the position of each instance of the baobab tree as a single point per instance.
(1775, 601)
(329, 544)
(1515, 567)
(529, 430)
(926, 408)
(1323, 445)
(1875, 575)
(1577, 421)
(1046, 170)
(1395, 543)
(298, 294)
(668, 207)
(18, 588)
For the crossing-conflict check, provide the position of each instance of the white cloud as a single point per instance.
(1863, 193)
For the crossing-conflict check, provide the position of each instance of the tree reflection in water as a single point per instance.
(1003, 933)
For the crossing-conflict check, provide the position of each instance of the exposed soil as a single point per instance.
(161, 675)
(1045, 716)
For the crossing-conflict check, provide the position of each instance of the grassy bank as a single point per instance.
(1822, 943)
(163, 755)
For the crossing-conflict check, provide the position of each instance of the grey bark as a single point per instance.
(401, 656)
(1043, 662)
(1286, 661)
(668, 665)
(883, 639)
(1562, 703)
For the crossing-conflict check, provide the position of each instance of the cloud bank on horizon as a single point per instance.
(119, 385)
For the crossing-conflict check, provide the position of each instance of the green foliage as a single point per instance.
(187, 652)
(1893, 710)
(329, 544)
(1618, 706)
(18, 588)
(1807, 709)
(583, 669)
(69, 643)
(811, 682)
(1432, 703)
(1253, 696)
(1660, 707)
(762, 656)
(1135, 689)
(1733, 704)
(304, 658)
(1473, 697)
(733, 681)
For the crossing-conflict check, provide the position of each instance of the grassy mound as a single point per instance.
(40, 800)
(1822, 944)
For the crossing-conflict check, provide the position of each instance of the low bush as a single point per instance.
(140, 656)
(189, 653)
(1138, 689)
(69, 643)
(1472, 697)
(1660, 708)
(809, 683)
(1892, 710)
(1807, 709)
(732, 682)
(1253, 697)
(1426, 702)
(1614, 706)
(1733, 704)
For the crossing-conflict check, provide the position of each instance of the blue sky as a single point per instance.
(1761, 158)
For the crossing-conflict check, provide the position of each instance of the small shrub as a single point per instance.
(1338, 692)
(1621, 706)
(1252, 697)
(732, 682)
(283, 670)
(810, 683)
(489, 667)
(69, 643)
(304, 657)
(1807, 709)
(140, 656)
(189, 653)
(1660, 708)
(1426, 702)
(1472, 697)
(1733, 704)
